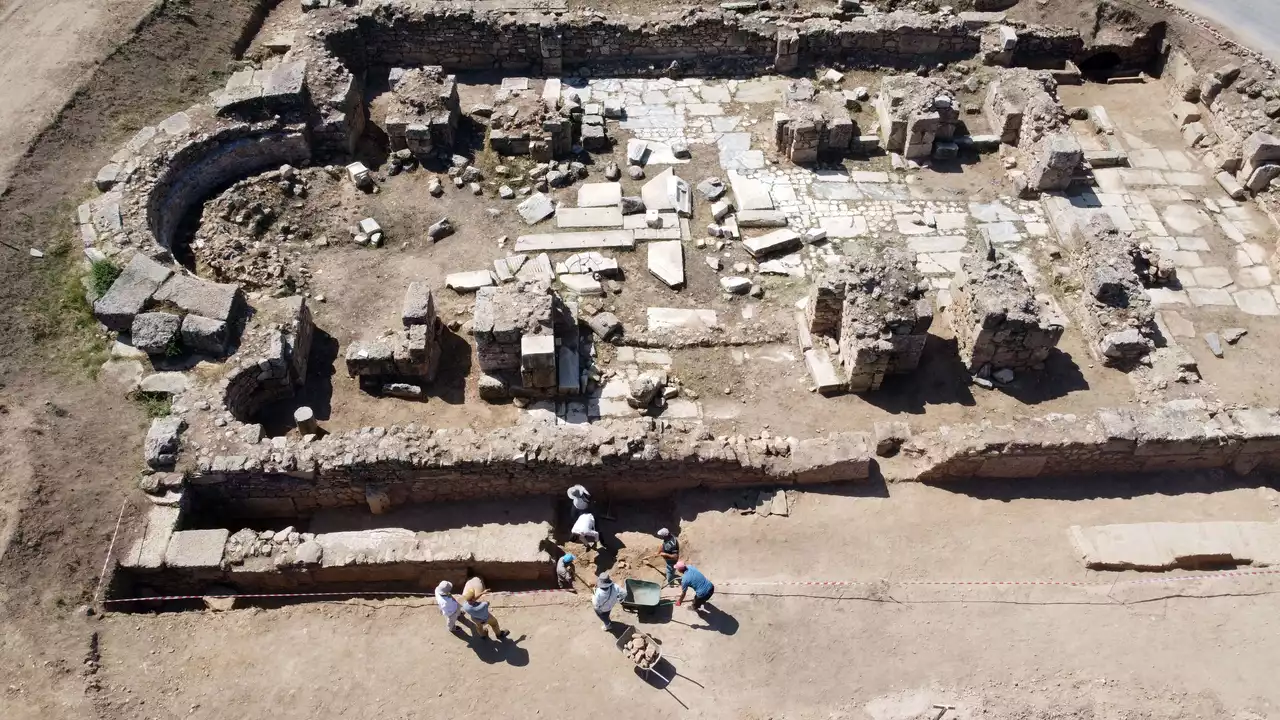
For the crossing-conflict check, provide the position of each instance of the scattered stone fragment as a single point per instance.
(536, 208)
(714, 263)
(637, 152)
(1215, 344)
(612, 172)
(1233, 335)
(154, 332)
(506, 193)
(635, 172)
(680, 149)
(712, 188)
(466, 282)
(644, 388)
(359, 175)
(441, 229)
(1004, 376)
(435, 188)
(403, 390)
(632, 205)
(162, 442)
(605, 325)
(735, 285)
(666, 262)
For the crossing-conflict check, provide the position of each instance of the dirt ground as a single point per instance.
(47, 48)
(70, 451)
(71, 448)
(886, 651)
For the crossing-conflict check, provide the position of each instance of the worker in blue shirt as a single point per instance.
(691, 577)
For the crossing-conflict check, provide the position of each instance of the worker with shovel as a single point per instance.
(565, 572)
(670, 552)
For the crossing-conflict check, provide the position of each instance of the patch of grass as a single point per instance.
(102, 274)
(60, 319)
(174, 348)
(154, 405)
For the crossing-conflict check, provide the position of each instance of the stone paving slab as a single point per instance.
(570, 241)
(589, 217)
(1167, 545)
(681, 319)
(606, 194)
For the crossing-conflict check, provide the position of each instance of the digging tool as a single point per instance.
(942, 710)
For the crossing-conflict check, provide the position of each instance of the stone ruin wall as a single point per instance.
(702, 41)
(271, 364)
(209, 163)
(283, 477)
(998, 322)
(1180, 435)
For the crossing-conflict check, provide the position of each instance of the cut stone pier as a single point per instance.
(997, 320)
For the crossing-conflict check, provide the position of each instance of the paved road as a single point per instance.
(1255, 23)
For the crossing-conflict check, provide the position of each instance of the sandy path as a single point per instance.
(1254, 22)
(47, 47)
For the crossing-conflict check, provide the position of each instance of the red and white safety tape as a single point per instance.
(1072, 583)
(769, 583)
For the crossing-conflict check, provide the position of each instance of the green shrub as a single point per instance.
(102, 274)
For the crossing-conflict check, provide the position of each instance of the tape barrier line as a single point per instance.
(769, 583)
(1068, 583)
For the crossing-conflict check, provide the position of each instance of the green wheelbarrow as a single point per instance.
(642, 597)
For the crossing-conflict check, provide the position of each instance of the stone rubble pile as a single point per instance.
(1114, 311)
(254, 232)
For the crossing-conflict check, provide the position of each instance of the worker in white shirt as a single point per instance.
(607, 595)
(584, 530)
(580, 498)
(449, 607)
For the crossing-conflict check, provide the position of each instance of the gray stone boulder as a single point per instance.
(440, 230)
(632, 205)
(605, 325)
(209, 299)
(204, 335)
(130, 293)
(163, 441)
(645, 388)
(154, 332)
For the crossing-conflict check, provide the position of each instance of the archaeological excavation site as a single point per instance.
(419, 267)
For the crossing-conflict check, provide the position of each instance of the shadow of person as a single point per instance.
(714, 618)
(493, 651)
